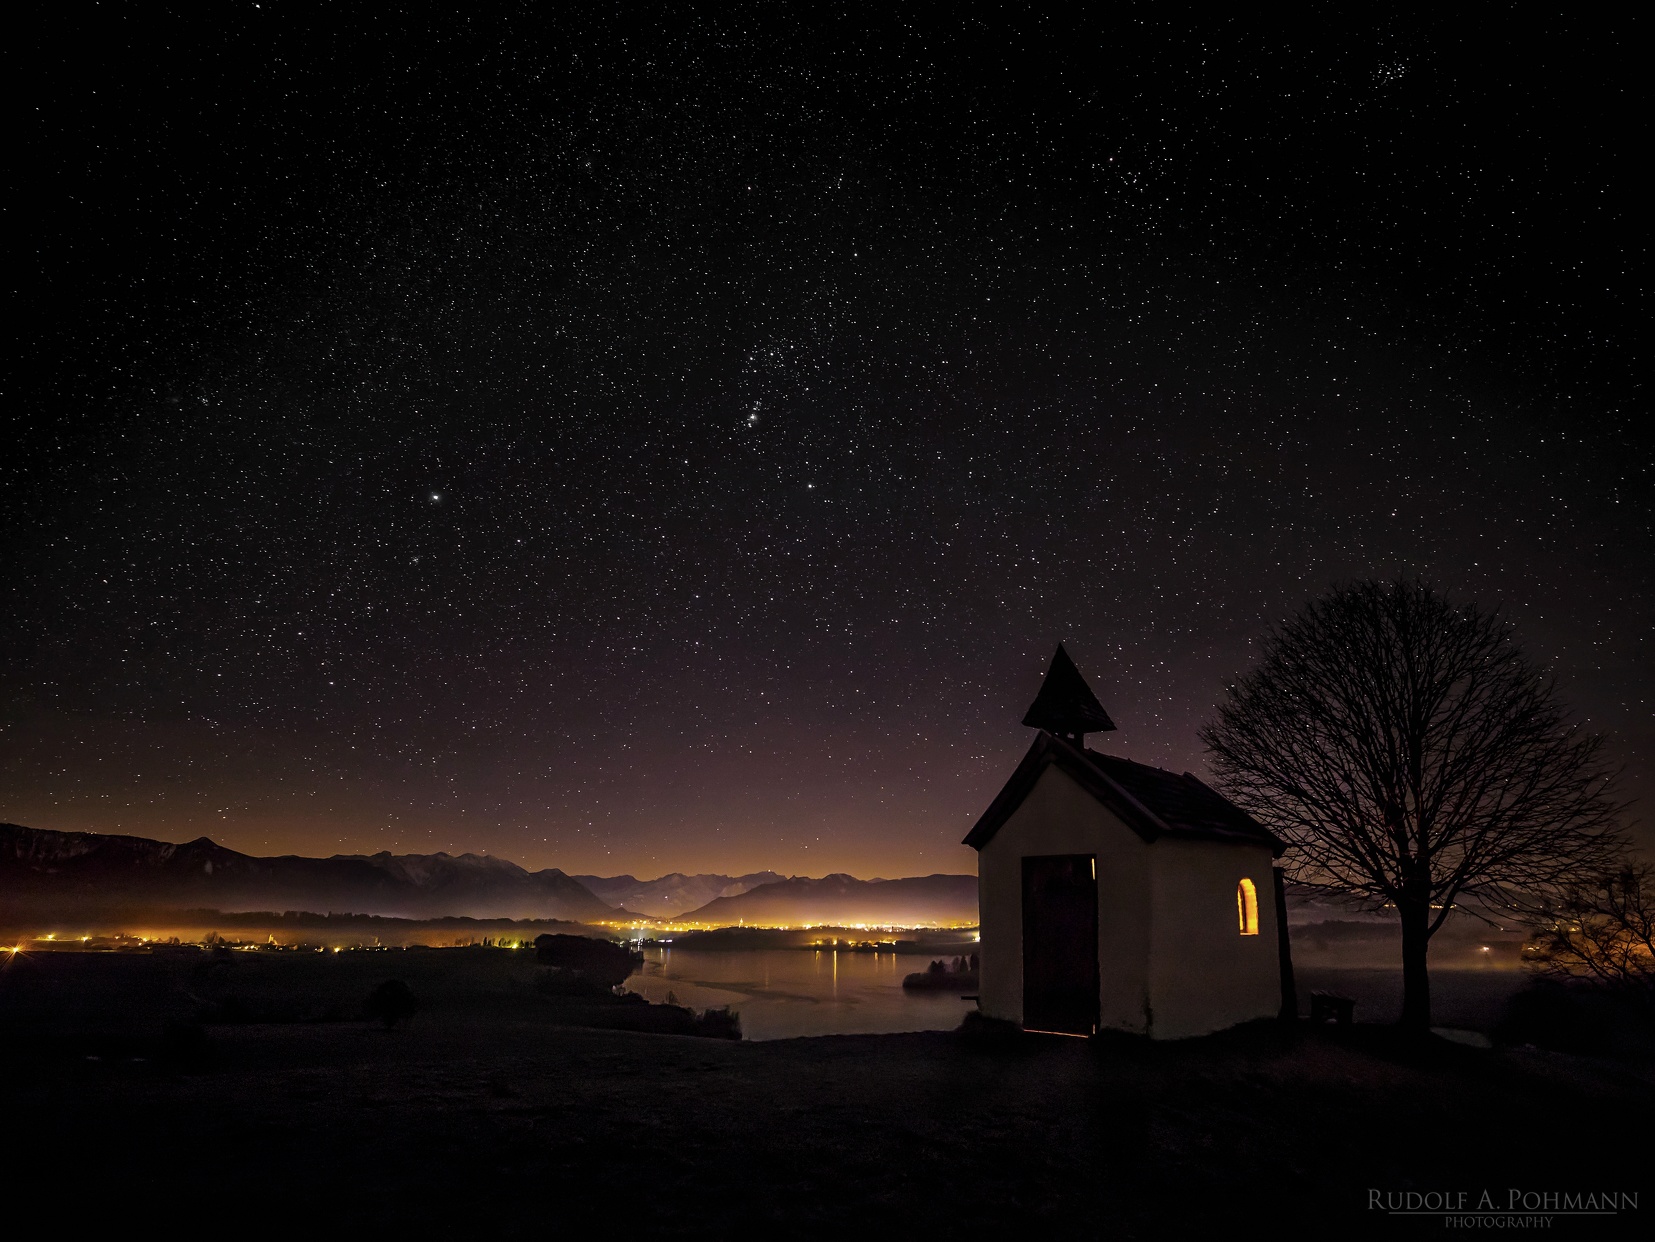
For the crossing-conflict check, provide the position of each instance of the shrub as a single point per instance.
(724, 1023)
(1581, 1018)
(391, 1002)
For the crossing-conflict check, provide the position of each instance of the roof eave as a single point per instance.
(1048, 750)
(1278, 847)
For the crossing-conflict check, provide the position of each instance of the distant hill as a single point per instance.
(1307, 905)
(843, 900)
(672, 894)
(84, 872)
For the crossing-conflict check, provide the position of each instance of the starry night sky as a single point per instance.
(640, 442)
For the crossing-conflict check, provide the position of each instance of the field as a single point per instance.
(496, 1113)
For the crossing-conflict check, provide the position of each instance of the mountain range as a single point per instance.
(672, 894)
(82, 872)
(70, 874)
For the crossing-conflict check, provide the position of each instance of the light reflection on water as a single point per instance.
(781, 993)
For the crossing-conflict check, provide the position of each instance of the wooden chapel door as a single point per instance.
(1060, 943)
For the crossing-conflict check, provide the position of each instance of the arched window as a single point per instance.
(1247, 907)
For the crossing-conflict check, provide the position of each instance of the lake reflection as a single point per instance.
(781, 993)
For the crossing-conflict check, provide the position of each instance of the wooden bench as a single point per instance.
(1327, 1007)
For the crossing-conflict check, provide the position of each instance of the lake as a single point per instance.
(781, 993)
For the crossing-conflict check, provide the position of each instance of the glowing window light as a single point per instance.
(1247, 907)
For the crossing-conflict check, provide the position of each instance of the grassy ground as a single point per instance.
(493, 1115)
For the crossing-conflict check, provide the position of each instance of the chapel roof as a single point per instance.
(1151, 801)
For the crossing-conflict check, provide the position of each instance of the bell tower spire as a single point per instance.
(1066, 705)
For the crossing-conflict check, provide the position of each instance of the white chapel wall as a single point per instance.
(1204, 974)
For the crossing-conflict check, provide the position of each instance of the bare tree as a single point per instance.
(1604, 930)
(1413, 757)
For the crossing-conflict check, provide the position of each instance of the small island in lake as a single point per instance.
(960, 975)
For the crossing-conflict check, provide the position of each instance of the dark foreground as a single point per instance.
(490, 1116)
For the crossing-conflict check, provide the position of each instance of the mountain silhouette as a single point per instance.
(83, 872)
(672, 894)
(843, 900)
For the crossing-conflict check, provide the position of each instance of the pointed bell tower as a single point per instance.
(1066, 705)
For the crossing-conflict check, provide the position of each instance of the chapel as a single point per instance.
(1117, 896)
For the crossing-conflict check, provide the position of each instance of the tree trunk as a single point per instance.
(1284, 950)
(1416, 977)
